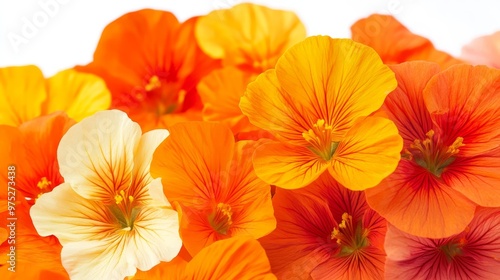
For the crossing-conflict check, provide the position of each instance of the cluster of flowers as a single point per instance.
(230, 146)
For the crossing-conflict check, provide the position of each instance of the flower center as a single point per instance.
(162, 95)
(124, 210)
(453, 248)
(349, 238)
(320, 139)
(220, 219)
(431, 154)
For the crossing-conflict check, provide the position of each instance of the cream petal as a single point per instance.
(155, 237)
(96, 155)
(98, 259)
(78, 218)
(142, 161)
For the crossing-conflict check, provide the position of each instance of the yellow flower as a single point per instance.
(317, 103)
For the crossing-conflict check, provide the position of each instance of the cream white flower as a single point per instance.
(110, 215)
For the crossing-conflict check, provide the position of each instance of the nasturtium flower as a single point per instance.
(325, 231)
(152, 63)
(317, 103)
(395, 43)
(26, 94)
(249, 36)
(471, 254)
(450, 160)
(211, 181)
(110, 216)
(484, 50)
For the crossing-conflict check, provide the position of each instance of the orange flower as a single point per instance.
(212, 179)
(26, 94)
(35, 257)
(484, 50)
(152, 63)
(317, 103)
(470, 254)
(249, 36)
(395, 43)
(233, 258)
(325, 231)
(449, 123)
(110, 216)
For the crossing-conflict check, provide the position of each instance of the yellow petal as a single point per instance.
(336, 80)
(96, 155)
(249, 35)
(22, 91)
(287, 166)
(369, 152)
(78, 94)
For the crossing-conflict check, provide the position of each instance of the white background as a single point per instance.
(70, 34)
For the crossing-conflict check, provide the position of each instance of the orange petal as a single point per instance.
(415, 201)
(267, 106)
(395, 43)
(463, 102)
(22, 92)
(369, 152)
(78, 94)
(220, 92)
(337, 80)
(234, 258)
(405, 105)
(192, 162)
(477, 178)
(249, 35)
(36, 154)
(287, 166)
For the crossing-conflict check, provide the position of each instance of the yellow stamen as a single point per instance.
(320, 139)
(431, 154)
(154, 83)
(349, 237)
(118, 199)
(221, 219)
(44, 183)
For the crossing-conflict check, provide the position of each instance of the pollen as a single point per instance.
(120, 197)
(432, 154)
(154, 83)
(320, 140)
(44, 183)
(221, 218)
(348, 236)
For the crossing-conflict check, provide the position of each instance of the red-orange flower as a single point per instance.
(483, 50)
(211, 179)
(471, 254)
(449, 123)
(152, 63)
(325, 231)
(395, 43)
